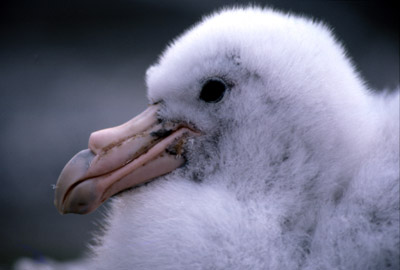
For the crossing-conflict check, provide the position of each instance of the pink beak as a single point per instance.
(119, 158)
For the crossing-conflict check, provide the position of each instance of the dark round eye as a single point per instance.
(213, 90)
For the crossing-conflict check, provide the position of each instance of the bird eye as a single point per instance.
(213, 90)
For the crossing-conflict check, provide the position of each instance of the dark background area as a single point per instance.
(68, 68)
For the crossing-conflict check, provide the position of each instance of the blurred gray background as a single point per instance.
(68, 68)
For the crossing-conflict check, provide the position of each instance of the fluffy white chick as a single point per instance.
(296, 167)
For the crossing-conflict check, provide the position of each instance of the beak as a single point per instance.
(120, 158)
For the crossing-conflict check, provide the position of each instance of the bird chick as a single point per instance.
(293, 163)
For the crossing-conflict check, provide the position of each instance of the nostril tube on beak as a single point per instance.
(103, 140)
(98, 140)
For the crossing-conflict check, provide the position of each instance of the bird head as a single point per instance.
(251, 95)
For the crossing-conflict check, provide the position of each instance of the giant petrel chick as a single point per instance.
(262, 148)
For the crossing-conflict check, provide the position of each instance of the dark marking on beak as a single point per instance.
(162, 133)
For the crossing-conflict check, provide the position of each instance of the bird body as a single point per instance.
(296, 167)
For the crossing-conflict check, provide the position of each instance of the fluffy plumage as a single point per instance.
(298, 167)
